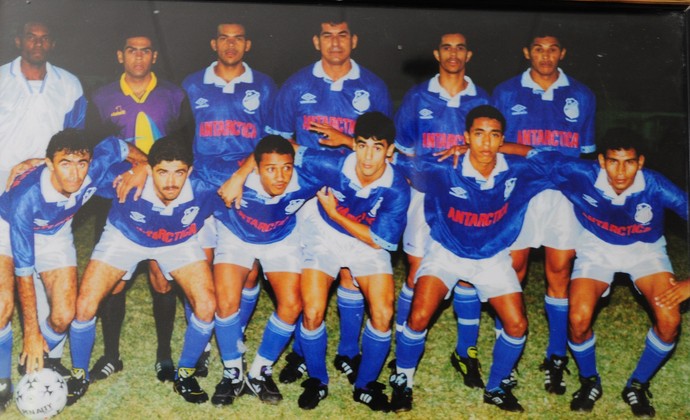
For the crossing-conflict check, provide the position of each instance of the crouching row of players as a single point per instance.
(474, 214)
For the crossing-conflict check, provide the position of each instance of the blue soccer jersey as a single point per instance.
(381, 205)
(468, 215)
(636, 215)
(310, 96)
(263, 219)
(230, 118)
(34, 207)
(429, 120)
(561, 117)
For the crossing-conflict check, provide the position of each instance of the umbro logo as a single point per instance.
(518, 110)
(308, 98)
(592, 202)
(458, 192)
(40, 222)
(137, 217)
(426, 114)
(201, 103)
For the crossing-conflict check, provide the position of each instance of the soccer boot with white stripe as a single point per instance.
(263, 387)
(639, 398)
(585, 397)
(294, 369)
(372, 396)
(553, 368)
(503, 398)
(103, 368)
(348, 366)
(469, 368)
(229, 388)
(203, 362)
(5, 393)
(401, 397)
(187, 386)
(165, 370)
(314, 392)
(77, 385)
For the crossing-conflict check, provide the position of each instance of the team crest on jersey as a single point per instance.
(361, 101)
(643, 213)
(87, 195)
(375, 209)
(308, 98)
(592, 202)
(510, 186)
(293, 206)
(459, 192)
(118, 111)
(137, 217)
(201, 103)
(189, 215)
(426, 114)
(571, 109)
(338, 195)
(518, 110)
(251, 101)
(40, 222)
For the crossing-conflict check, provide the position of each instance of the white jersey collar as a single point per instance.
(253, 182)
(469, 171)
(349, 170)
(546, 95)
(210, 77)
(337, 85)
(603, 185)
(453, 101)
(51, 195)
(149, 194)
(16, 71)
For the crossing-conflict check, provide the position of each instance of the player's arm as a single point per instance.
(358, 230)
(134, 178)
(34, 344)
(330, 136)
(231, 190)
(457, 151)
(20, 168)
(679, 292)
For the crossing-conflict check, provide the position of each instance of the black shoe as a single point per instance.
(103, 368)
(187, 386)
(314, 392)
(639, 398)
(348, 366)
(469, 368)
(56, 365)
(202, 364)
(511, 382)
(585, 397)
(401, 397)
(77, 384)
(165, 370)
(504, 399)
(229, 388)
(372, 396)
(553, 368)
(263, 387)
(294, 369)
(5, 393)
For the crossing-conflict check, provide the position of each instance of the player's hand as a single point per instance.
(330, 136)
(32, 352)
(20, 168)
(231, 191)
(679, 291)
(454, 151)
(328, 201)
(135, 178)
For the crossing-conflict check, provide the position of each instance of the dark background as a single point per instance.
(633, 58)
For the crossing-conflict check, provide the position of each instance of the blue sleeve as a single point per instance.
(319, 166)
(405, 122)
(421, 171)
(673, 197)
(76, 117)
(282, 119)
(389, 225)
(587, 140)
(22, 235)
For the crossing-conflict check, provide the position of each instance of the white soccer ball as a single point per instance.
(41, 395)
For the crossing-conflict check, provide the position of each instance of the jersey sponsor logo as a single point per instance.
(359, 218)
(166, 236)
(441, 140)
(553, 138)
(308, 98)
(518, 110)
(426, 114)
(137, 217)
(201, 103)
(338, 195)
(459, 192)
(571, 109)
(294, 205)
(118, 111)
(361, 101)
(375, 209)
(615, 229)
(510, 186)
(189, 215)
(251, 101)
(471, 219)
(643, 213)
(262, 226)
(40, 222)
(592, 201)
(344, 125)
(88, 194)
(224, 128)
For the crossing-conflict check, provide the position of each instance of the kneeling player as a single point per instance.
(160, 226)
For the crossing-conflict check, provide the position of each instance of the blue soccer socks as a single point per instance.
(557, 315)
(351, 310)
(82, 335)
(468, 309)
(375, 347)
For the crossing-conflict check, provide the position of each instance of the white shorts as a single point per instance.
(208, 234)
(417, 231)
(120, 252)
(284, 256)
(599, 260)
(492, 277)
(549, 221)
(327, 250)
(50, 251)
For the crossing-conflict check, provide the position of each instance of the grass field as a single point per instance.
(621, 328)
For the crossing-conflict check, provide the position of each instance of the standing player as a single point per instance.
(161, 226)
(546, 108)
(474, 213)
(35, 218)
(318, 106)
(143, 108)
(431, 118)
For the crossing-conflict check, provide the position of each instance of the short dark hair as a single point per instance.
(70, 141)
(170, 148)
(546, 29)
(450, 31)
(375, 125)
(333, 18)
(138, 32)
(622, 138)
(231, 22)
(484, 111)
(273, 144)
(22, 25)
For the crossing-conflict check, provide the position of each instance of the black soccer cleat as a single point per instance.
(103, 368)
(55, 364)
(165, 370)
(503, 398)
(585, 397)
(229, 388)
(314, 392)
(469, 368)
(553, 368)
(202, 363)
(187, 386)
(5, 394)
(348, 366)
(263, 387)
(372, 396)
(294, 369)
(401, 397)
(639, 398)
(77, 385)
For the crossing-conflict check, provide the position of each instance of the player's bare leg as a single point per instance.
(6, 310)
(351, 311)
(228, 280)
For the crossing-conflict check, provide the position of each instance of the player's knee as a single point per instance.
(381, 318)
(205, 309)
(227, 307)
(419, 319)
(6, 310)
(667, 326)
(289, 310)
(61, 319)
(312, 317)
(516, 327)
(579, 323)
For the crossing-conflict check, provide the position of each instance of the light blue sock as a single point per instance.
(247, 304)
(52, 338)
(82, 335)
(351, 311)
(275, 338)
(375, 347)
(507, 351)
(468, 309)
(653, 356)
(557, 315)
(195, 339)
(409, 347)
(585, 356)
(404, 306)
(6, 351)
(229, 335)
(314, 345)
